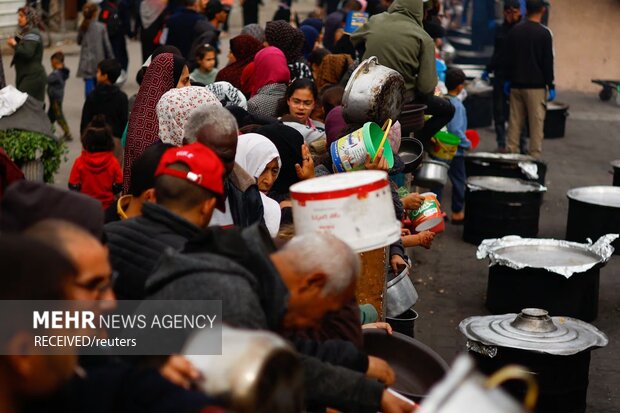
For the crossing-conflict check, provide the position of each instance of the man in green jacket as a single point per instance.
(397, 38)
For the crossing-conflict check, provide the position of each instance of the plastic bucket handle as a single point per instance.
(386, 128)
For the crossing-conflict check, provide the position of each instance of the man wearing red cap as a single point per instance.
(189, 185)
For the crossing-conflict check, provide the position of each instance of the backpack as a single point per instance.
(110, 17)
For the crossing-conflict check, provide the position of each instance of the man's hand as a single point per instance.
(551, 97)
(11, 41)
(179, 371)
(412, 201)
(306, 170)
(380, 370)
(378, 164)
(393, 404)
(397, 263)
(425, 239)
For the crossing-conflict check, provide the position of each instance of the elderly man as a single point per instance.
(189, 183)
(409, 50)
(288, 288)
(216, 128)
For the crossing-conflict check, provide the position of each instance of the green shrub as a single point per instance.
(23, 146)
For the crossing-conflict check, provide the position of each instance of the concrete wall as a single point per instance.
(587, 42)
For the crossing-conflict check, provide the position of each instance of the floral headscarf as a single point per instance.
(174, 108)
(286, 38)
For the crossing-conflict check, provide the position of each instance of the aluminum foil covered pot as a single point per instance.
(555, 349)
(558, 275)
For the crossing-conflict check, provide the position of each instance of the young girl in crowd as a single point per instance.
(95, 46)
(96, 172)
(206, 72)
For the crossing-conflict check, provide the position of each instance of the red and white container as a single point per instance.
(356, 207)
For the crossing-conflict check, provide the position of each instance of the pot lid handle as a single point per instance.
(535, 320)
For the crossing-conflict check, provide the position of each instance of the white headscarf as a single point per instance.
(174, 108)
(254, 152)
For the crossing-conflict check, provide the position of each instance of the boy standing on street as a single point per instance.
(56, 92)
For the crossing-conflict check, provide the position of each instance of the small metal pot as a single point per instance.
(411, 152)
(431, 174)
(401, 294)
(374, 93)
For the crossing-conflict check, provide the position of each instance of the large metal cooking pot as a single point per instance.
(431, 174)
(555, 349)
(509, 165)
(558, 275)
(256, 372)
(401, 294)
(593, 211)
(465, 390)
(417, 367)
(374, 93)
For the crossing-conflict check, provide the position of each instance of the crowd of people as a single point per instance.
(181, 192)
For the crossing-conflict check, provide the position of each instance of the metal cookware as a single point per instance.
(374, 93)
(616, 172)
(510, 165)
(431, 174)
(555, 349)
(411, 152)
(593, 211)
(256, 372)
(404, 323)
(411, 118)
(465, 390)
(558, 275)
(401, 294)
(417, 367)
(498, 206)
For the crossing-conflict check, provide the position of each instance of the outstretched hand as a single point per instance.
(306, 169)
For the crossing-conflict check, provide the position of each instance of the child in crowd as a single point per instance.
(108, 100)
(96, 172)
(205, 71)
(455, 83)
(56, 92)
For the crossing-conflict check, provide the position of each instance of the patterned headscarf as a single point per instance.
(269, 67)
(174, 108)
(244, 47)
(286, 38)
(143, 129)
(32, 18)
(228, 95)
(254, 30)
(331, 70)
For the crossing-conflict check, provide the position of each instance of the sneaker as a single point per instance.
(67, 138)
(457, 218)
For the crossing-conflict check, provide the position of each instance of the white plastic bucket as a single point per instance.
(356, 207)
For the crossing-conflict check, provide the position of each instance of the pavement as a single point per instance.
(450, 280)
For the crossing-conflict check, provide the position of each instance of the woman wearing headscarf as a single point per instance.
(254, 30)
(243, 48)
(333, 67)
(227, 94)
(166, 71)
(30, 75)
(291, 41)
(174, 108)
(311, 36)
(259, 157)
(268, 82)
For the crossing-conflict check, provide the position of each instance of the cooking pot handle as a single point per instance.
(514, 372)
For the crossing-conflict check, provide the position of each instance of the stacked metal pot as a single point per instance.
(401, 296)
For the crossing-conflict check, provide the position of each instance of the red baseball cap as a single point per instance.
(205, 168)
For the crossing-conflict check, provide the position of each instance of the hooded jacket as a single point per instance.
(56, 84)
(233, 266)
(110, 101)
(397, 38)
(97, 174)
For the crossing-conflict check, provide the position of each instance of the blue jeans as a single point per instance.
(89, 85)
(458, 177)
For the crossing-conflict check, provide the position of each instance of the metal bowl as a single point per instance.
(401, 294)
(431, 174)
(411, 152)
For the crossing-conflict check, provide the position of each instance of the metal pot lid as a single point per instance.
(534, 330)
(509, 157)
(501, 184)
(561, 257)
(556, 106)
(616, 163)
(608, 196)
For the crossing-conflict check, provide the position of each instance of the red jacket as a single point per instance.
(96, 174)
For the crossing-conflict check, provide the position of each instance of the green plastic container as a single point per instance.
(349, 152)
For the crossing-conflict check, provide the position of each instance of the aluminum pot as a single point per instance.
(431, 174)
(374, 93)
(411, 152)
(401, 294)
(256, 372)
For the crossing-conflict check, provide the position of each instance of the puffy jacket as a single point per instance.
(97, 174)
(399, 41)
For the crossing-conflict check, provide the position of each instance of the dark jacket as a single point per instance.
(136, 244)
(246, 205)
(183, 27)
(236, 269)
(56, 84)
(110, 101)
(30, 75)
(529, 65)
(498, 60)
